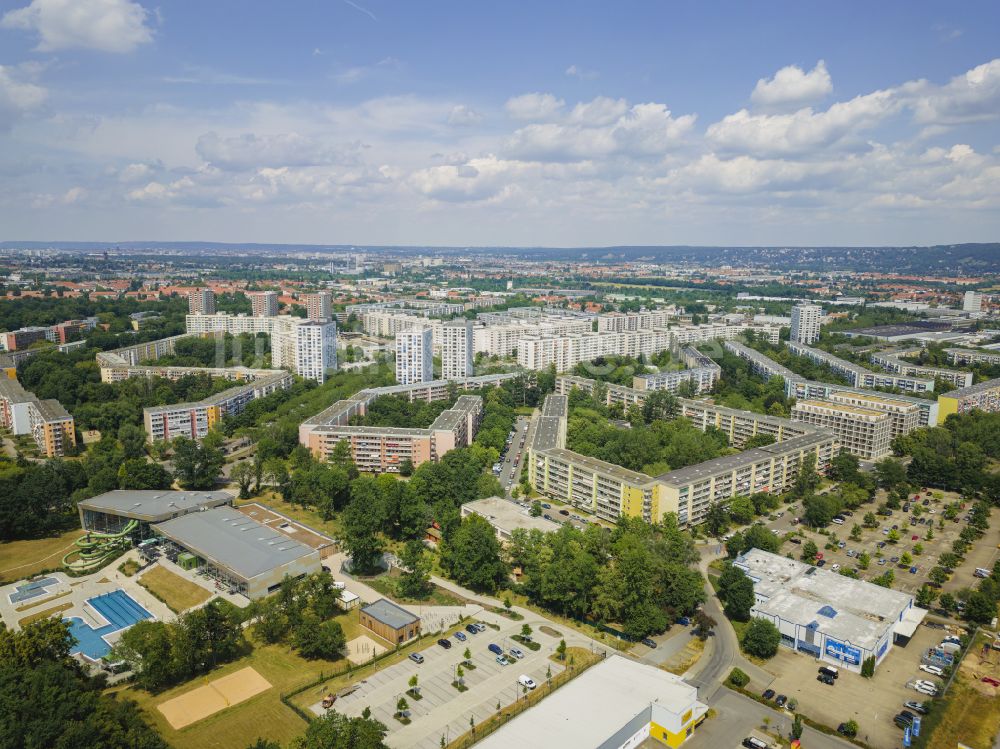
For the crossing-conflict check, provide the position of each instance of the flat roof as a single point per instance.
(862, 612)
(599, 466)
(13, 391)
(508, 515)
(981, 387)
(840, 408)
(230, 539)
(52, 410)
(594, 706)
(152, 504)
(390, 614)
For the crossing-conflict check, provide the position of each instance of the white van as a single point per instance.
(838, 521)
(526, 681)
(981, 572)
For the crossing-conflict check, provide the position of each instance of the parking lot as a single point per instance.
(875, 542)
(442, 709)
(871, 702)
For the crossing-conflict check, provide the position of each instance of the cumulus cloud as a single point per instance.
(463, 116)
(17, 96)
(575, 71)
(250, 151)
(973, 96)
(792, 87)
(533, 106)
(103, 25)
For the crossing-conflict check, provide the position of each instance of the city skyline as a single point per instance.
(373, 123)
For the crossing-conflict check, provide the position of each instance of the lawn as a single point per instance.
(26, 620)
(387, 585)
(261, 716)
(179, 594)
(21, 559)
(588, 630)
(305, 515)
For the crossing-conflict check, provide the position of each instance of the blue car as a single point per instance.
(460, 636)
(684, 621)
(913, 570)
(494, 648)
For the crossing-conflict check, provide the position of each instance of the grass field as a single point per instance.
(21, 559)
(179, 594)
(304, 515)
(387, 586)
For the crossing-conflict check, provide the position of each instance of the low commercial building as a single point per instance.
(50, 425)
(826, 615)
(390, 622)
(114, 511)
(863, 432)
(246, 556)
(614, 704)
(982, 397)
(507, 516)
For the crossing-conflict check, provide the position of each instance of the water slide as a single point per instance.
(95, 549)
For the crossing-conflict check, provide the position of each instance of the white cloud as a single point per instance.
(973, 96)
(533, 106)
(805, 130)
(250, 151)
(463, 116)
(599, 111)
(575, 71)
(104, 25)
(792, 87)
(17, 96)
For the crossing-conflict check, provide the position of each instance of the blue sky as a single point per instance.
(564, 123)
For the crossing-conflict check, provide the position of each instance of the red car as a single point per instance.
(991, 681)
(914, 538)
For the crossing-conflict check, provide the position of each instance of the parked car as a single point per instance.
(768, 694)
(526, 681)
(564, 512)
(914, 537)
(835, 567)
(517, 653)
(821, 562)
(752, 742)
(991, 681)
(826, 679)
(683, 621)
(841, 544)
(471, 629)
(918, 707)
(446, 644)
(494, 648)
(795, 540)
(648, 643)
(460, 636)
(936, 670)
(782, 699)
(502, 660)
(416, 657)
(913, 570)
(902, 721)
(480, 627)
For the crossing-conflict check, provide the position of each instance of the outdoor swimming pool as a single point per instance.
(31, 590)
(119, 609)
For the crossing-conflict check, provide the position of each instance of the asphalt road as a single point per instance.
(511, 466)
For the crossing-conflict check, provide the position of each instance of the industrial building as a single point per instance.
(837, 619)
(863, 432)
(615, 704)
(50, 425)
(235, 550)
(983, 397)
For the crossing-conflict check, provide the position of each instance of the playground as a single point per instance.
(93, 550)
(214, 696)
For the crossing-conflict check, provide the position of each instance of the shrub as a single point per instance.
(761, 639)
(738, 678)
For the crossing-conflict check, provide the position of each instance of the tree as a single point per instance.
(890, 473)
(807, 479)
(864, 560)
(809, 551)
(947, 602)
(132, 439)
(925, 596)
(414, 582)
(797, 727)
(761, 638)
(472, 555)
(526, 630)
(336, 731)
(868, 667)
(243, 475)
(716, 520)
(738, 678)
(980, 608)
(893, 537)
(196, 465)
(938, 575)
(413, 683)
(905, 559)
(885, 579)
(741, 509)
(851, 728)
(870, 520)
(856, 532)
(362, 524)
(739, 598)
(318, 639)
(401, 707)
(561, 650)
(139, 473)
(536, 509)
(703, 624)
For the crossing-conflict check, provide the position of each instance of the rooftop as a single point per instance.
(595, 706)
(832, 407)
(52, 410)
(509, 516)
(152, 504)
(390, 614)
(228, 538)
(981, 387)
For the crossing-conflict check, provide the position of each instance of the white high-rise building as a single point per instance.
(805, 323)
(414, 356)
(264, 303)
(456, 350)
(201, 302)
(972, 302)
(315, 349)
(318, 306)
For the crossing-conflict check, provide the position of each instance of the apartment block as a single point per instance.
(201, 302)
(315, 349)
(620, 322)
(319, 306)
(48, 423)
(414, 356)
(385, 449)
(702, 373)
(858, 376)
(806, 323)
(810, 390)
(502, 340)
(894, 361)
(982, 397)
(456, 350)
(971, 356)
(263, 303)
(24, 337)
(195, 420)
(904, 416)
(759, 363)
(864, 432)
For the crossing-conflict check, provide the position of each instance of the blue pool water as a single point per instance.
(119, 608)
(31, 590)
